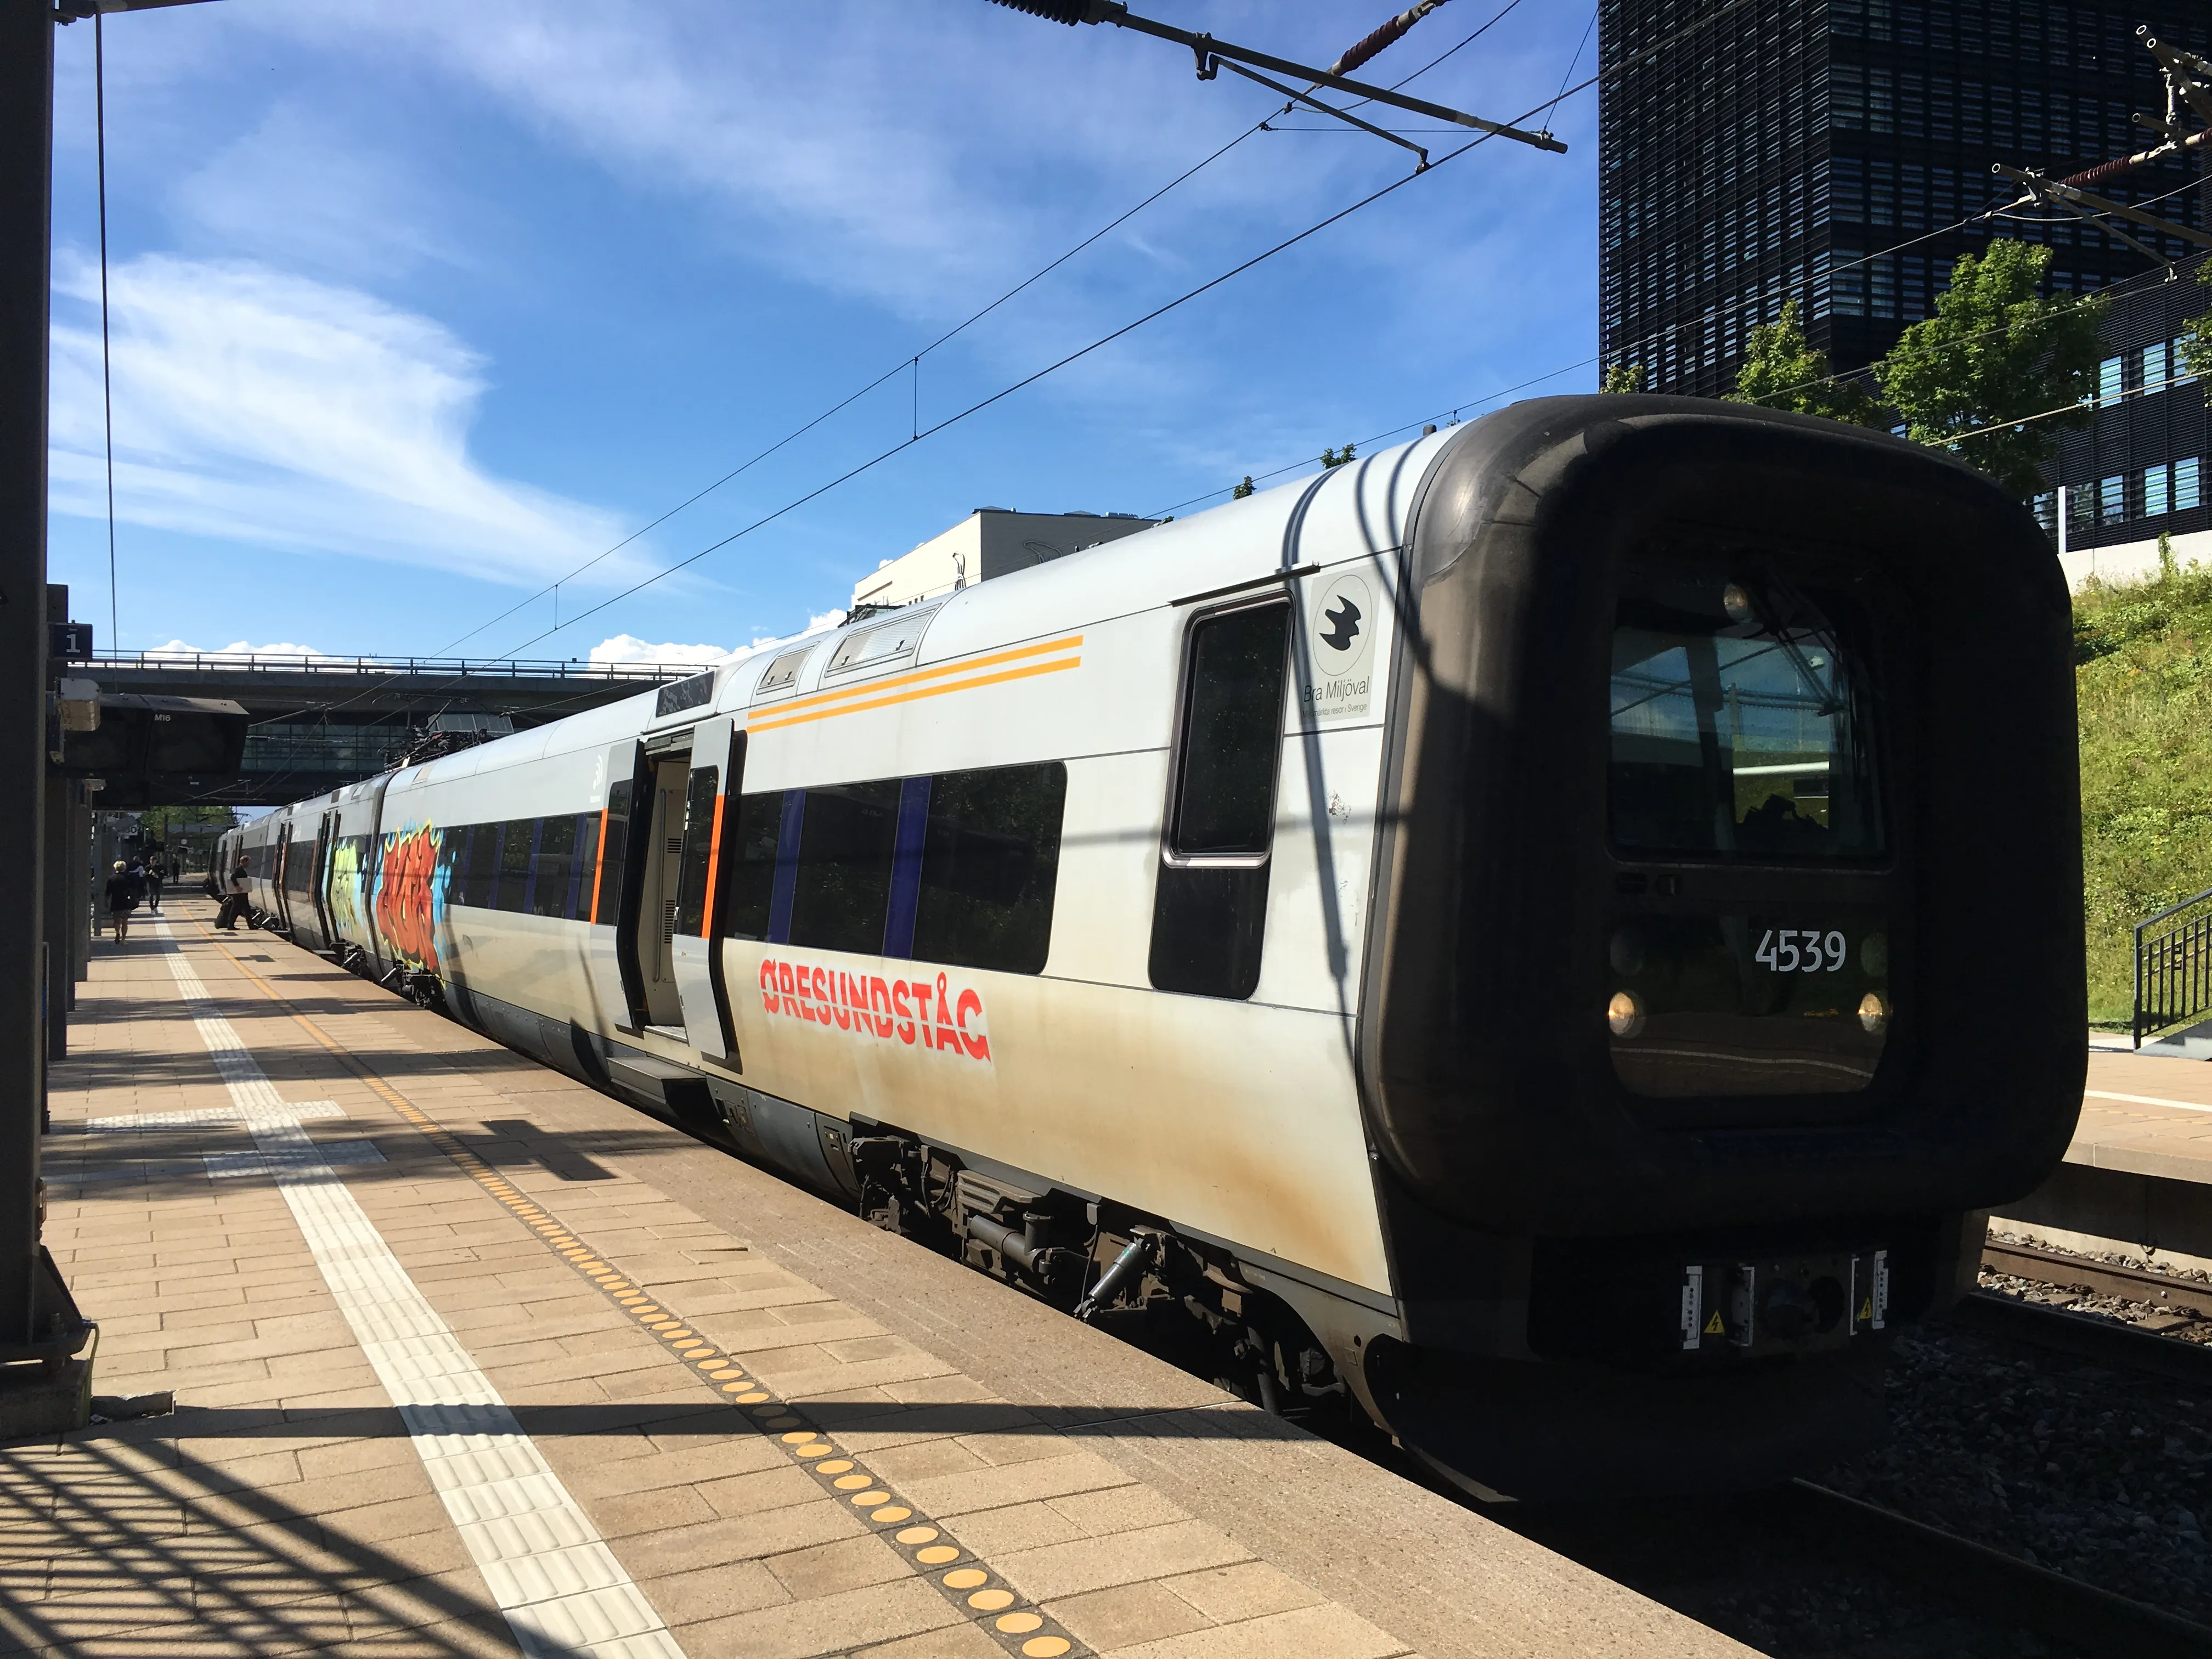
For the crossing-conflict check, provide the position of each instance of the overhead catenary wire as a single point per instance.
(107, 377)
(919, 434)
(924, 433)
(1366, 49)
(1634, 59)
(1693, 322)
(1006, 392)
(910, 364)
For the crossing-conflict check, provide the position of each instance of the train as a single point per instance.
(1543, 942)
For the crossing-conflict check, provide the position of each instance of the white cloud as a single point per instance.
(235, 648)
(307, 189)
(259, 406)
(628, 647)
(915, 159)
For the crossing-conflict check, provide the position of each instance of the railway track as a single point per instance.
(1807, 1570)
(1769, 1567)
(1996, 1588)
(2092, 1338)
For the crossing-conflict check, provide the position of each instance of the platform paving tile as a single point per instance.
(283, 1510)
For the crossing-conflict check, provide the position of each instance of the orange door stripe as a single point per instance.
(914, 676)
(714, 870)
(599, 866)
(920, 692)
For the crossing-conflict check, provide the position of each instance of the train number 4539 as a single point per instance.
(1801, 950)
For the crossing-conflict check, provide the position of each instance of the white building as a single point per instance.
(990, 542)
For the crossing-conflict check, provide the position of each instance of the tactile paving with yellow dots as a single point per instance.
(964, 1467)
(931, 1550)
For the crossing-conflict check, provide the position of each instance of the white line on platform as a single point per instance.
(2148, 1100)
(563, 1592)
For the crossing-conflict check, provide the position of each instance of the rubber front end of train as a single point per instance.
(1728, 955)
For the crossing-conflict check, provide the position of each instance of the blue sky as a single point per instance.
(417, 307)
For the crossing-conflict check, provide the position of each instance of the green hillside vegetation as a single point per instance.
(2146, 714)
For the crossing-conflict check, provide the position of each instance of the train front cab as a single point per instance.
(1728, 956)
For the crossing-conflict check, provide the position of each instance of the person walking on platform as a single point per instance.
(233, 902)
(157, 872)
(122, 891)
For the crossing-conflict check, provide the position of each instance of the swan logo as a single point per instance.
(1340, 632)
(1343, 625)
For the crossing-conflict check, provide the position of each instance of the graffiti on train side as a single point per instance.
(345, 891)
(918, 1012)
(410, 897)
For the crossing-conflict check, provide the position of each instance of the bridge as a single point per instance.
(318, 723)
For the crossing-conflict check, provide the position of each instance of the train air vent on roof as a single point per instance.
(878, 645)
(783, 673)
(680, 694)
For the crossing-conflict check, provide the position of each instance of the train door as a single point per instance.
(662, 852)
(326, 836)
(717, 764)
(612, 907)
(302, 876)
(1210, 902)
(279, 871)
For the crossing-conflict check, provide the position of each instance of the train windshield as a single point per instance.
(1739, 721)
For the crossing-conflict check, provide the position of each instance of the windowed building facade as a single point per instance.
(2143, 466)
(1827, 150)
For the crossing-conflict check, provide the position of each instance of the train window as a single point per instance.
(1739, 721)
(701, 794)
(607, 887)
(480, 864)
(300, 865)
(555, 866)
(1232, 734)
(1209, 910)
(588, 858)
(844, 876)
(990, 860)
(515, 844)
(752, 872)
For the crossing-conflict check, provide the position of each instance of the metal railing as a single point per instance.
(223, 662)
(2173, 965)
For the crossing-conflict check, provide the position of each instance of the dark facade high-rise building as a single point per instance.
(1821, 149)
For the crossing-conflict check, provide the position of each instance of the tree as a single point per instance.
(2197, 335)
(1997, 352)
(1622, 377)
(1782, 369)
(1243, 489)
(1337, 457)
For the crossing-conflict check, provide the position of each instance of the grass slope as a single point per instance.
(2146, 714)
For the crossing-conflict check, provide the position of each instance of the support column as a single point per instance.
(56, 934)
(80, 879)
(55, 909)
(38, 1322)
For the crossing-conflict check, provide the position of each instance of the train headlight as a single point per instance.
(1624, 1015)
(1735, 600)
(1873, 1012)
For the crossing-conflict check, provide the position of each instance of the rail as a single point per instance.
(243, 662)
(2173, 965)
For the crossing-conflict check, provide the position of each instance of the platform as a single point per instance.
(2148, 1114)
(471, 1359)
(2138, 1176)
